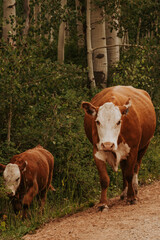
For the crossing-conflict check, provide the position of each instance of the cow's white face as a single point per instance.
(12, 177)
(108, 123)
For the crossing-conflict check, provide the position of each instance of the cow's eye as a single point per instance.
(118, 122)
(98, 122)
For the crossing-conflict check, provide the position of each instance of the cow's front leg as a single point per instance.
(28, 197)
(104, 181)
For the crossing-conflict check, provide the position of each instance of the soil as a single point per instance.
(121, 221)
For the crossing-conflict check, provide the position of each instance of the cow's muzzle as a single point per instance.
(107, 146)
(10, 194)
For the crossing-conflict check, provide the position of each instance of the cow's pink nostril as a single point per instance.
(107, 146)
(112, 145)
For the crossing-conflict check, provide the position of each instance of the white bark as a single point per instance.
(80, 32)
(89, 46)
(100, 63)
(9, 21)
(61, 37)
(112, 39)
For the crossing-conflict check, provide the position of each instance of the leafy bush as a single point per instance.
(150, 167)
(45, 101)
(42, 100)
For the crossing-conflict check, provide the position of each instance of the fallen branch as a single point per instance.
(119, 45)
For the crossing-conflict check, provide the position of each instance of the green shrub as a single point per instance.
(45, 101)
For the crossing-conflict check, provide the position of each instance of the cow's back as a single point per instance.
(141, 115)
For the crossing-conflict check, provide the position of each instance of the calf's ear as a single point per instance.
(22, 167)
(89, 108)
(2, 167)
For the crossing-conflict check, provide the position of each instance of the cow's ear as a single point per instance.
(2, 167)
(89, 108)
(125, 108)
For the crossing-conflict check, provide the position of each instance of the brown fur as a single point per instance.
(138, 127)
(2, 167)
(36, 167)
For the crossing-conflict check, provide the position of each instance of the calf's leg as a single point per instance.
(28, 197)
(43, 195)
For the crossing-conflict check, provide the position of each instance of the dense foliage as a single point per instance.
(45, 101)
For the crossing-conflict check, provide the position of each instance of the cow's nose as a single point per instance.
(107, 146)
(10, 193)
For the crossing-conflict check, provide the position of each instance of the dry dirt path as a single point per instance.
(121, 221)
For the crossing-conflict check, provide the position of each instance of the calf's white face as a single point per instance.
(108, 123)
(12, 177)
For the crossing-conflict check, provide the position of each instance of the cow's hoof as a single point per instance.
(122, 197)
(132, 201)
(124, 194)
(102, 207)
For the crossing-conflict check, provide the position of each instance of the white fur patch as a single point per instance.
(12, 176)
(135, 181)
(121, 154)
(109, 117)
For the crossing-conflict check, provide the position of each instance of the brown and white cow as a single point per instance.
(120, 122)
(28, 174)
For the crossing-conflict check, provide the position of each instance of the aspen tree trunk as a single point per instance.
(80, 32)
(125, 38)
(26, 15)
(61, 37)
(9, 21)
(112, 39)
(36, 12)
(89, 46)
(49, 30)
(138, 31)
(9, 121)
(9, 31)
(37, 15)
(100, 64)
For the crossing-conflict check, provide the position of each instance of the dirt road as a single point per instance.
(121, 221)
